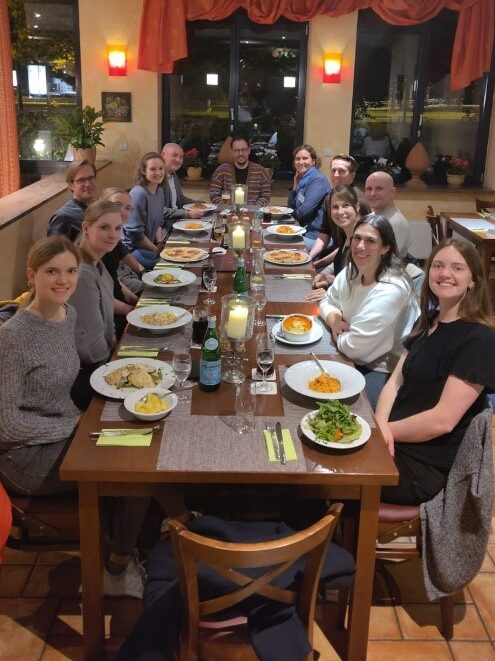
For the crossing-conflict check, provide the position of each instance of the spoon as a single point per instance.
(322, 369)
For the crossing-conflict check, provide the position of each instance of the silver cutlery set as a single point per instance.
(277, 440)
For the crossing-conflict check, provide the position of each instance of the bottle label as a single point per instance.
(210, 372)
(211, 343)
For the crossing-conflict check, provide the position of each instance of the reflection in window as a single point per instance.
(44, 46)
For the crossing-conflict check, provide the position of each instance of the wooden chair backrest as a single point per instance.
(228, 558)
(483, 205)
(437, 231)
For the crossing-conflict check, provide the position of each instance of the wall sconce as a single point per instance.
(117, 61)
(332, 67)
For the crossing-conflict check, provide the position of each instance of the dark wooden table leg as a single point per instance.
(359, 614)
(486, 257)
(91, 571)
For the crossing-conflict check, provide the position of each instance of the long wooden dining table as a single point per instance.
(356, 475)
(475, 228)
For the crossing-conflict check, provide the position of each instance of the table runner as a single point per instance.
(324, 345)
(183, 296)
(286, 290)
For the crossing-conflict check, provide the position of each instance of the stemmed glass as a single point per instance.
(264, 357)
(219, 229)
(182, 368)
(209, 281)
(259, 296)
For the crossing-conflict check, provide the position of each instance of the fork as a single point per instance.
(270, 427)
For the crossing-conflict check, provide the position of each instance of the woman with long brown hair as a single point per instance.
(441, 381)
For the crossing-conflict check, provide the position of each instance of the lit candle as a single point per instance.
(237, 323)
(238, 238)
(239, 195)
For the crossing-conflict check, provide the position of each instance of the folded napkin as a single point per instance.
(167, 265)
(137, 353)
(290, 451)
(151, 301)
(297, 276)
(126, 440)
(177, 241)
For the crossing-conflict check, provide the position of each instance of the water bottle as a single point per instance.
(210, 366)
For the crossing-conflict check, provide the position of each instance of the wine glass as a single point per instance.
(182, 368)
(259, 296)
(264, 357)
(209, 281)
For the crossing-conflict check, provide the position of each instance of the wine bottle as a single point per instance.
(210, 366)
(241, 283)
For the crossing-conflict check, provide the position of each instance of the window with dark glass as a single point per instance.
(402, 95)
(45, 54)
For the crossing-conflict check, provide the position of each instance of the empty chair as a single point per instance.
(437, 229)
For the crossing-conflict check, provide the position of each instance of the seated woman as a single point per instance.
(343, 210)
(440, 382)
(93, 297)
(39, 365)
(143, 231)
(309, 190)
(371, 304)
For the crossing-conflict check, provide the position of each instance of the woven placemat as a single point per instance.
(323, 345)
(140, 337)
(286, 290)
(201, 237)
(183, 296)
(282, 241)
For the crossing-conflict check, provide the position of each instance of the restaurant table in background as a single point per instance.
(143, 471)
(476, 229)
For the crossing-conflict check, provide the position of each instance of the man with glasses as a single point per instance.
(81, 180)
(242, 171)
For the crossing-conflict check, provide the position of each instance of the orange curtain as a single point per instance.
(9, 171)
(163, 25)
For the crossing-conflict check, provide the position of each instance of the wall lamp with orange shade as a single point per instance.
(332, 67)
(117, 65)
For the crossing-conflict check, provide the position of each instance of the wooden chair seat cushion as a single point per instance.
(389, 512)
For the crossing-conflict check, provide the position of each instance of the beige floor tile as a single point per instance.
(379, 650)
(54, 580)
(477, 651)
(422, 622)
(120, 616)
(384, 624)
(483, 590)
(14, 557)
(70, 648)
(24, 624)
(13, 579)
(21, 645)
(58, 557)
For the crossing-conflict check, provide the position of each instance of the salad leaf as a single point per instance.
(335, 423)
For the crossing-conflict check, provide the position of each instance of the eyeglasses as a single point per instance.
(85, 180)
(244, 150)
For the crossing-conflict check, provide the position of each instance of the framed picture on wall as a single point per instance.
(116, 106)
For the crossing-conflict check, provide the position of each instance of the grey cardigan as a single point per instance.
(169, 213)
(455, 524)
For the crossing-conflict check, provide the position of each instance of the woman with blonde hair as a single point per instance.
(441, 381)
(93, 298)
(39, 365)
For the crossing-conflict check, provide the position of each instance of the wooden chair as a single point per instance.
(437, 230)
(45, 523)
(484, 205)
(403, 521)
(275, 557)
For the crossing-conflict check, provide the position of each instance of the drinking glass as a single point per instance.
(259, 297)
(182, 368)
(245, 408)
(226, 198)
(219, 229)
(264, 357)
(209, 281)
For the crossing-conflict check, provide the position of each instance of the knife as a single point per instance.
(278, 431)
(125, 432)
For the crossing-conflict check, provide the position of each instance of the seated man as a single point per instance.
(242, 171)
(80, 177)
(342, 173)
(173, 157)
(380, 192)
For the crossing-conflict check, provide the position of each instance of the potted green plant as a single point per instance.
(193, 164)
(82, 128)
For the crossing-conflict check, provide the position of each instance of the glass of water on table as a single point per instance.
(264, 357)
(181, 365)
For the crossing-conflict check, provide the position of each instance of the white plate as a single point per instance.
(181, 254)
(282, 211)
(185, 277)
(268, 257)
(298, 375)
(182, 226)
(316, 334)
(134, 317)
(297, 231)
(99, 384)
(132, 399)
(365, 434)
(208, 207)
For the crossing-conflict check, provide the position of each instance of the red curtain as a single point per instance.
(9, 170)
(163, 25)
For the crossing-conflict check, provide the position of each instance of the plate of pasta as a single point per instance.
(306, 378)
(335, 426)
(159, 317)
(192, 226)
(286, 231)
(200, 206)
(287, 257)
(277, 211)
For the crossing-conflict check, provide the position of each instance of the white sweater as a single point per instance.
(380, 315)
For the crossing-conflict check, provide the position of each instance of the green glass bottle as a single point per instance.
(241, 282)
(210, 365)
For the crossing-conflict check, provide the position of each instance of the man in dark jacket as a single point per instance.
(81, 180)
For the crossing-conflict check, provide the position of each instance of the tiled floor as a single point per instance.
(40, 617)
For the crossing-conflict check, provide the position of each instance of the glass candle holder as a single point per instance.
(240, 235)
(239, 195)
(236, 327)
